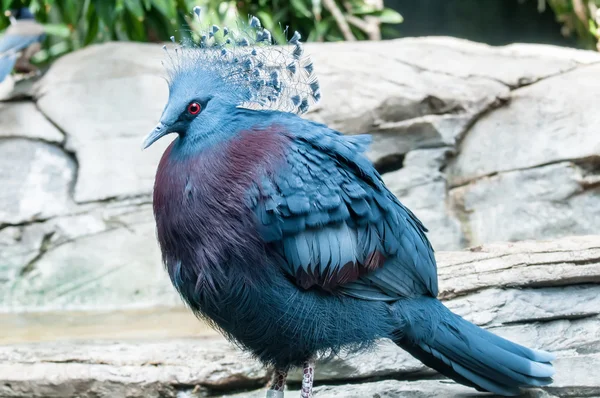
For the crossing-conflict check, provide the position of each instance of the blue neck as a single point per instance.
(228, 126)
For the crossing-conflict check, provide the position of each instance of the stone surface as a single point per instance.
(547, 122)
(23, 119)
(546, 201)
(35, 178)
(421, 186)
(115, 114)
(404, 107)
(514, 65)
(101, 259)
(524, 264)
(540, 294)
(118, 369)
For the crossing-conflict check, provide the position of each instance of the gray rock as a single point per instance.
(546, 122)
(563, 336)
(104, 259)
(405, 107)
(514, 65)
(113, 115)
(493, 307)
(115, 369)
(575, 376)
(421, 186)
(381, 389)
(563, 319)
(522, 264)
(104, 62)
(35, 178)
(23, 119)
(550, 201)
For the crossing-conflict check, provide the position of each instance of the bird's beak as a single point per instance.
(160, 130)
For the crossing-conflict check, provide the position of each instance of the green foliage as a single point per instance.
(73, 24)
(579, 17)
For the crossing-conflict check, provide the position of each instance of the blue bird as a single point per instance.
(280, 233)
(20, 42)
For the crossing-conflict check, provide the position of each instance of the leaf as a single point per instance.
(166, 8)
(6, 4)
(301, 8)
(135, 28)
(389, 16)
(60, 30)
(105, 9)
(363, 9)
(92, 29)
(136, 8)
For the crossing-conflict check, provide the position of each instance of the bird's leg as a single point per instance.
(308, 376)
(277, 384)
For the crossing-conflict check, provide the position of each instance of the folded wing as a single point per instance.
(336, 225)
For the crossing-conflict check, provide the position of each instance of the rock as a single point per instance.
(38, 175)
(104, 62)
(549, 263)
(421, 186)
(103, 259)
(116, 369)
(403, 106)
(23, 119)
(381, 389)
(544, 123)
(551, 201)
(113, 115)
(545, 302)
(493, 307)
(514, 65)
(575, 376)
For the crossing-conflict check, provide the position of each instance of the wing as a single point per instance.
(336, 225)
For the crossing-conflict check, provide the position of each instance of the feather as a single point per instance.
(249, 67)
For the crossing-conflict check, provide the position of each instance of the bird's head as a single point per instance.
(232, 69)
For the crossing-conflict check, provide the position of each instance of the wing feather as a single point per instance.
(329, 214)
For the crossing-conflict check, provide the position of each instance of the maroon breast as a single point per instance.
(199, 200)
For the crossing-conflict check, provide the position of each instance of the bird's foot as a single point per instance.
(308, 376)
(277, 384)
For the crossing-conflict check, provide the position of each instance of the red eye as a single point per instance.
(194, 108)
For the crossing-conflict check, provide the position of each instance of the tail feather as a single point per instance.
(466, 353)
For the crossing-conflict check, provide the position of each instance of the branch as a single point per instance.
(340, 19)
(371, 29)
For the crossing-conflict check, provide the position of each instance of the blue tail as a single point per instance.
(466, 353)
(7, 62)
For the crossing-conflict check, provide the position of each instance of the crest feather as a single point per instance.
(258, 73)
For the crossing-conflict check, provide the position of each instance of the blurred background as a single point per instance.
(485, 123)
(73, 24)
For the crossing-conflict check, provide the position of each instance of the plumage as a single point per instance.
(19, 43)
(281, 233)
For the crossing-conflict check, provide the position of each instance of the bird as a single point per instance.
(20, 42)
(280, 233)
